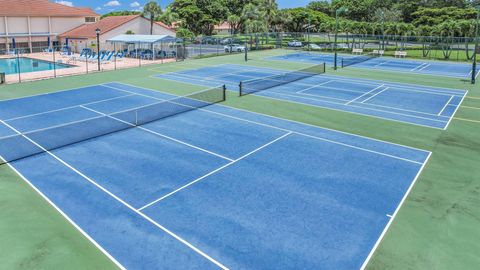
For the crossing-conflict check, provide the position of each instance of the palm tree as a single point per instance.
(168, 16)
(152, 9)
(269, 9)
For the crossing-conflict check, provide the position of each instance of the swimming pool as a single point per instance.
(10, 65)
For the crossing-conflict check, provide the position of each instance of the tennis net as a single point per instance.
(19, 146)
(260, 84)
(358, 59)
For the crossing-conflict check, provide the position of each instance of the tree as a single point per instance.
(184, 33)
(200, 16)
(168, 16)
(152, 10)
(321, 6)
(358, 10)
(388, 15)
(120, 13)
(269, 8)
(300, 18)
(234, 21)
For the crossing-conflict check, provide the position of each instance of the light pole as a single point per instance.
(98, 46)
(337, 13)
(474, 64)
(383, 30)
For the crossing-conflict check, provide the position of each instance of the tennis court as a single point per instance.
(458, 70)
(413, 104)
(206, 186)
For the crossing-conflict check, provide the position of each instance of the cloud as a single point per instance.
(65, 3)
(112, 4)
(135, 4)
(98, 8)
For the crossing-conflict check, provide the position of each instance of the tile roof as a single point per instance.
(105, 24)
(223, 26)
(42, 8)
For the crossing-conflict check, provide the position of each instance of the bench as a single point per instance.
(400, 54)
(357, 51)
(378, 52)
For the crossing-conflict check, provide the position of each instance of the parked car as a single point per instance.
(295, 43)
(234, 48)
(226, 41)
(313, 46)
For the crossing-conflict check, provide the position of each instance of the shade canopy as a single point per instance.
(150, 39)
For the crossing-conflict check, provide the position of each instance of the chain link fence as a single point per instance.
(40, 61)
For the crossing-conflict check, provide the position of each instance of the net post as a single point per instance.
(324, 67)
(240, 89)
(224, 88)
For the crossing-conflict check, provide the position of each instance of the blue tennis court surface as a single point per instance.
(213, 188)
(457, 70)
(414, 104)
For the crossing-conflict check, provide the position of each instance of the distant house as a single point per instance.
(32, 24)
(223, 29)
(85, 36)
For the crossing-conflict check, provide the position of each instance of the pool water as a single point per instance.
(10, 65)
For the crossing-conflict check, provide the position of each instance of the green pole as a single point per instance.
(383, 30)
(337, 12)
(474, 64)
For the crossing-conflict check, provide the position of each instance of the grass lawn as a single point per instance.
(437, 227)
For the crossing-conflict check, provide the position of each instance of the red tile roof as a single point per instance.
(223, 26)
(42, 8)
(105, 24)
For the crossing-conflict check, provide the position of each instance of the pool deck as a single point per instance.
(78, 67)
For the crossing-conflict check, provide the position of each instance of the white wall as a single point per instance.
(139, 26)
(17, 25)
(39, 25)
(2, 25)
(61, 25)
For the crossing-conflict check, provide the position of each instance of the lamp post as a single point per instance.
(337, 13)
(474, 64)
(98, 46)
(383, 30)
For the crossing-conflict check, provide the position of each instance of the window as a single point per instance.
(90, 19)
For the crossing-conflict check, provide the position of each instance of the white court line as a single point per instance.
(444, 107)
(303, 134)
(286, 120)
(417, 67)
(313, 86)
(161, 135)
(376, 94)
(213, 172)
(353, 105)
(372, 251)
(49, 93)
(455, 112)
(67, 108)
(123, 202)
(355, 99)
(118, 264)
(306, 135)
(425, 67)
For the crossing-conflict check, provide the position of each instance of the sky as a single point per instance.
(105, 6)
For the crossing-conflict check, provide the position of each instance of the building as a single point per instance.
(85, 36)
(36, 24)
(223, 29)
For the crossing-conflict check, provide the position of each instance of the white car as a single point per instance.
(295, 43)
(234, 48)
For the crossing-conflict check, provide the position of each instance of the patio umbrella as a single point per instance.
(14, 44)
(66, 42)
(48, 41)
